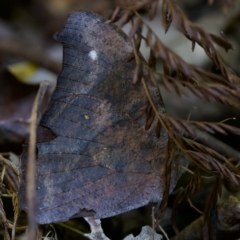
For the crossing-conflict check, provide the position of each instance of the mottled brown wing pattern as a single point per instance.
(93, 158)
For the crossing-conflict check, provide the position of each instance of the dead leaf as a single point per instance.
(96, 229)
(147, 233)
(39, 107)
(93, 158)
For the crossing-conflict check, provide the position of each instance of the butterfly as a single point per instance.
(93, 157)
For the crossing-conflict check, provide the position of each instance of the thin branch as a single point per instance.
(192, 206)
(188, 170)
(38, 106)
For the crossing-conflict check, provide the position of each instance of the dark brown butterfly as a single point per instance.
(93, 158)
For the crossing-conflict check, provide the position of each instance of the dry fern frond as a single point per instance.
(220, 93)
(195, 146)
(184, 127)
(169, 156)
(189, 79)
(209, 228)
(190, 30)
(198, 35)
(191, 188)
(216, 127)
(209, 164)
(149, 5)
(172, 62)
(204, 157)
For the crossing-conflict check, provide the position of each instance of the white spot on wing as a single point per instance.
(93, 55)
(86, 117)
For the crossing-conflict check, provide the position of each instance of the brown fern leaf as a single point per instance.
(137, 27)
(221, 41)
(115, 15)
(197, 35)
(184, 127)
(189, 78)
(204, 157)
(152, 9)
(152, 61)
(231, 102)
(125, 8)
(220, 93)
(172, 62)
(190, 30)
(216, 127)
(125, 18)
(166, 16)
(178, 126)
(137, 4)
(143, 110)
(210, 127)
(210, 211)
(191, 188)
(198, 147)
(138, 73)
(158, 129)
(210, 77)
(211, 165)
(169, 156)
(187, 128)
(150, 118)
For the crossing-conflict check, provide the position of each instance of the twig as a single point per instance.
(153, 220)
(18, 228)
(3, 172)
(30, 178)
(192, 206)
(164, 233)
(188, 170)
(96, 229)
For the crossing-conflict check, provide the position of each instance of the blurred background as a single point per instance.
(29, 54)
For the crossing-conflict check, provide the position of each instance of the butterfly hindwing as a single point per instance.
(93, 158)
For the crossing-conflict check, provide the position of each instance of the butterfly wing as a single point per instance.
(93, 158)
